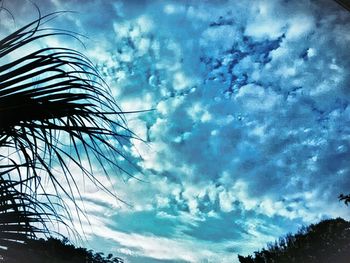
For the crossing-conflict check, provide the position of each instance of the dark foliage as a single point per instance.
(54, 250)
(325, 242)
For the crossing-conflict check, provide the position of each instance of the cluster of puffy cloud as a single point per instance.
(247, 138)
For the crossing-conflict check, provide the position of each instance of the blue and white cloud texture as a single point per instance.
(249, 137)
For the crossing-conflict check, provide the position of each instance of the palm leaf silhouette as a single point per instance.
(344, 3)
(17, 213)
(47, 97)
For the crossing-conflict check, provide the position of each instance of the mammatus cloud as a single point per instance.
(248, 139)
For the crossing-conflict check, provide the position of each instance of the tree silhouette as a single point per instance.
(327, 241)
(54, 250)
(56, 116)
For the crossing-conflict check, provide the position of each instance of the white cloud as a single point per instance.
(162, 248)
(254, 97)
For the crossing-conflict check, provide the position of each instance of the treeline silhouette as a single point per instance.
(325, 242)
(54, 250)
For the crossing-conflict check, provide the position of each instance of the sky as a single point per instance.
(248, 138)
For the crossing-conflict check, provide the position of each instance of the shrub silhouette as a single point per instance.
(325, 242)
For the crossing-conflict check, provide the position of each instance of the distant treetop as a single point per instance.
(325, 242)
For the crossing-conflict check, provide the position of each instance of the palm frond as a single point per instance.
(344, 3)
(18, 213)
(48, 96)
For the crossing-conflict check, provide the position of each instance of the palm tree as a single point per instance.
(56, 112)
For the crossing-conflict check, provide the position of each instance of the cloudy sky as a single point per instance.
(249, 136)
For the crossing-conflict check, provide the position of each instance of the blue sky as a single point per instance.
(249, 137)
